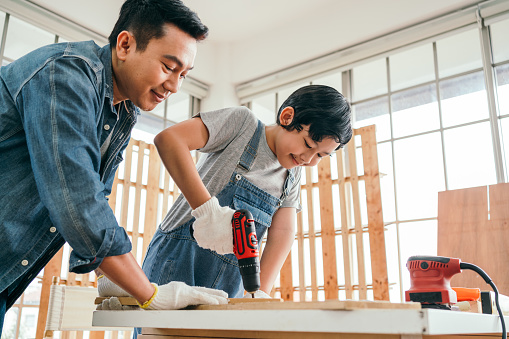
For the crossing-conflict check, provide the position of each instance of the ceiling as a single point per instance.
(233, 21)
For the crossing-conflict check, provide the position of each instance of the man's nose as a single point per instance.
(172, 83)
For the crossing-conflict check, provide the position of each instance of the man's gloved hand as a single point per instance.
(107, 288)
(213, 226)
(176, 295)
(258, 294)
(112, 303)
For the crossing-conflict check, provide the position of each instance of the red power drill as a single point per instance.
(245, 248)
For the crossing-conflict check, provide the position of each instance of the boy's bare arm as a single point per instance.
(280, 238)
(174, 145)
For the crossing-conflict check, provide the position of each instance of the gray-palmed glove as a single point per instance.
(213, 226)
(107, 288)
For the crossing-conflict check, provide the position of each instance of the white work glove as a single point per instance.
(259, 294)
(213, 226)
(107, 288)
(176, 295)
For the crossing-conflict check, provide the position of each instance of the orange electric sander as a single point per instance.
(430, 282)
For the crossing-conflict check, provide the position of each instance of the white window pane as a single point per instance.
(416, 238)
(2, 21)
(333, 80)
(415, 111)
(28, 322)
(412, 67)
(264, 108)
(159, 109)
(463, 99)
(503, 89)
(459, 53)
(178, 107)
(23, 38)
(504, 123)
(284, 93)
(386, 181)
(147, 127)
(499, 33)
(392, 253)
(419, 175)
(369, 80)
(469, 156)
(374, 112)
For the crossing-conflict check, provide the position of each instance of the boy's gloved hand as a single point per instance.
(176, 295)
(213, 226)
(258, 294)
(107, 288)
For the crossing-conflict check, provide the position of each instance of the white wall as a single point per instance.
(213, 67)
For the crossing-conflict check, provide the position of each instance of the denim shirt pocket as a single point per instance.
(261, 214)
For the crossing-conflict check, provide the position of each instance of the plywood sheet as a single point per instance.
(475, 229)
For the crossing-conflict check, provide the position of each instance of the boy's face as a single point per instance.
(150, 76)
(296, 148)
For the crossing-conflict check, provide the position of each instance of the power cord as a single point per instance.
(467, 266)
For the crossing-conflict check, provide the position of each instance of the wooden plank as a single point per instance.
(345, 225)
(300, 249)
(278, 304)
(359, 238)
(328, 230)
(137, 199)
(493, 240)
(462, 218)
(127, 181)
(52, 269)
(154, 169)
(375, 217)
(312, 234)
(171, 333)
(286, 281)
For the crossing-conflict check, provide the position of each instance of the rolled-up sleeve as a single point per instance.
(61, 134)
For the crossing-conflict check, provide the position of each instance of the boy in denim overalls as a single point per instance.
(245, 165)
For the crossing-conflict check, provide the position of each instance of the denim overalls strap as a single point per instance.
(175, 255)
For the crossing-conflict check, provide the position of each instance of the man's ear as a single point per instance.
(125, 45)
(286, 116)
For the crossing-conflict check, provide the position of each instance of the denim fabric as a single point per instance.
(56, 110)
(3, 302)
(175, 255)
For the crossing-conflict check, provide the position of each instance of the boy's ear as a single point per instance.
(286, 116)
(125, 44)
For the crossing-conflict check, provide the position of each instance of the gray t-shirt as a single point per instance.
(230, 129)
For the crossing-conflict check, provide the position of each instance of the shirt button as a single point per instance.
(24, 262)
(52, 229)
(238, 177)
(107, 127)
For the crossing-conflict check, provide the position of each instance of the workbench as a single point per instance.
(385, 323)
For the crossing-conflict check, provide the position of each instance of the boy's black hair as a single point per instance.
(324, 109)
(145, 19)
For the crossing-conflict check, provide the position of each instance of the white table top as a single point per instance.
(379, 321)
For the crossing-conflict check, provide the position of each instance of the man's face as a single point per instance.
(149, 77)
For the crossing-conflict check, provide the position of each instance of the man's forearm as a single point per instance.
(124, 271)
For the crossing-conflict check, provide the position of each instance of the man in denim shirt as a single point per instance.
(66, 114)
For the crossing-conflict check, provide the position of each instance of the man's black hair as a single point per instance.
(145, 19)
(324, 109)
